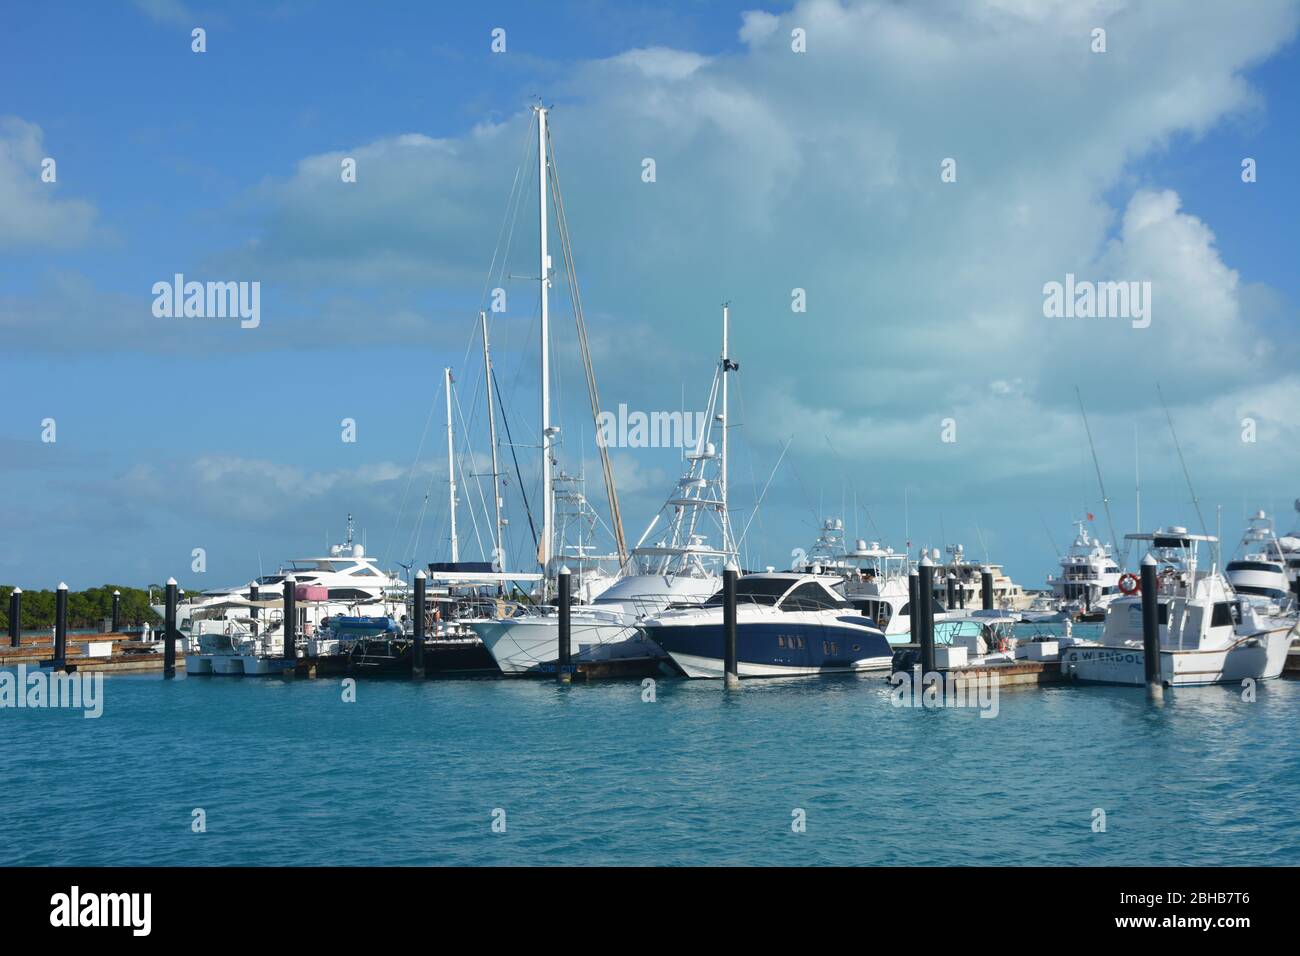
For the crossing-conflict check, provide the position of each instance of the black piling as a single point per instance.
(1151, 629)
(61, 626)
(290, 651)
(417, 644)
(563, 663)
(952, 591)
(116, 626)
(254, 594)
(16, 617)
(169, 629)
(730, 665)
(925, 624)
(986, 588)
(914, 606)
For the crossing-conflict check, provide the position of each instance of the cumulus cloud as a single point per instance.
(31, 214)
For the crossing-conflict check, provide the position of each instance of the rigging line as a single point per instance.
(758, 503)
(1105, 499)
(514, 455)
(478, 479)
(410, 474)
(753, 476)
(607, 468)
(1196, 502)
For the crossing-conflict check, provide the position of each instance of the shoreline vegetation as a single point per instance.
(86, 609)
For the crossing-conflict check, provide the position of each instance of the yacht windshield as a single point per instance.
(754, 591)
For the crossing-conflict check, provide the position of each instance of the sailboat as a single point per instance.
(675, 563)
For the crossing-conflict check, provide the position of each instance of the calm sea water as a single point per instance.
(287, 773)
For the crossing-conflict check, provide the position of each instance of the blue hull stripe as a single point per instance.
(805, 645)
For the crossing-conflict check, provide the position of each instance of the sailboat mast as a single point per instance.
(451, 470)
(726, 359)
(499, 557)
(548, 495)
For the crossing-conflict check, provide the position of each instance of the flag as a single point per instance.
(1090, 518)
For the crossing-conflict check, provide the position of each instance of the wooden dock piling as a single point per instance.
(563, 664)
(731, 664)
(169, 630)
(925, 624)
(417, 646)
(1151, 629)
(15, 617)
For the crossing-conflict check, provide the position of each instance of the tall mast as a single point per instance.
(726, 361)
(451, 470)
(548, 497)
(499, 556)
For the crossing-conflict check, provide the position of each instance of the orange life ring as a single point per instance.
(1129, 583)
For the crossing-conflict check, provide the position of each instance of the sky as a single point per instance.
(914, 174)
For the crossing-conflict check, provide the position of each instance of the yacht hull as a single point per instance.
(524, 645)
(775, 649)
(197, 665)
(1256, 657)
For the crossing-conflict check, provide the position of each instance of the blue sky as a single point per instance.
(775, 170)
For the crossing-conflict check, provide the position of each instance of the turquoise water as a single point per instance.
(287, 773)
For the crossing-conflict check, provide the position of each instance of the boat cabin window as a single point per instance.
(754, 591)
(1225, 615)
(810, 597)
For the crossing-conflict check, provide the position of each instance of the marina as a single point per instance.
(649, 435)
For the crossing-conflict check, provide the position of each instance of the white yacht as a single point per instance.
(1259, 569)
(875, 579)
(1289, 547)
(1089, 578)
(788, 624)
(968, 580)
(1208, 633)
(675, 562)
(229, 631)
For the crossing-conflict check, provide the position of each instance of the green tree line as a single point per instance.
(86, 609)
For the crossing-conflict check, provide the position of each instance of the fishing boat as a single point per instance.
(787, 624)
(875, 578)
(1259, 568)
(1208, 633)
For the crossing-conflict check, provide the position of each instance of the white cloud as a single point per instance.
(31, 215)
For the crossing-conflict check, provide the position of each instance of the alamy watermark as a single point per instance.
(936, 689)
(1085, 299)
(38, 689)
(649, 430)
(209, 300)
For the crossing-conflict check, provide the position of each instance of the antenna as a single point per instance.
(1196, 502)
(1105, 500)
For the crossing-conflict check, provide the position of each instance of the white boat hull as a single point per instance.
(227, 664)
(1257, 657)
(713, 668)
(523, 645)
(197, 665)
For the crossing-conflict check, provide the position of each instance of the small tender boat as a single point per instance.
(787, 624)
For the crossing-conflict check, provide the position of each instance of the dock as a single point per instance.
(109, 653)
